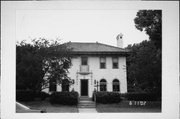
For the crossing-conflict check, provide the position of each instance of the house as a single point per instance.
(96, 66)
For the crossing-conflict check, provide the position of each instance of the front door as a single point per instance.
(84, 87)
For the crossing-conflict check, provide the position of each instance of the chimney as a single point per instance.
(120, 40)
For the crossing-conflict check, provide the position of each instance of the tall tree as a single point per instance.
(39, 62)
(144, 68)
(150, 21)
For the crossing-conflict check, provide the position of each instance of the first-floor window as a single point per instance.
(103, 85)
(65, 85)
(52, 86)
(116, 85)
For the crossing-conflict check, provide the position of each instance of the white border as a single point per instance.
(170, 77)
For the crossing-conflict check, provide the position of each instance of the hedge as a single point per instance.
(65, 98)
(29, 95)
(143, 96)
(107, 97)
(41, 95)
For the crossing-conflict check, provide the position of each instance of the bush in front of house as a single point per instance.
(41, 95)
(65, 98)
(107, 97)
(25, 95)
(142, 96)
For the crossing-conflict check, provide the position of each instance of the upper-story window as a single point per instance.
(115, 62)
(84, 61)
(102, 62)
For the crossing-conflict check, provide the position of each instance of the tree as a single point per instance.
(144, 68)
(150, 21)
(40, 62)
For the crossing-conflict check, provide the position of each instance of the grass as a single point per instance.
(122, 107)
(151, 107)
(55, 108)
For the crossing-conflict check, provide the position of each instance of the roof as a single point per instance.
(90, 48)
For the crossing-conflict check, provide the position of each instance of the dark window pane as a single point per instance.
(102, 65)
(103, 85)
(116, 86)
(102, 62)
(65, 85)
(115, 63)
(84, 60)
(52, 86)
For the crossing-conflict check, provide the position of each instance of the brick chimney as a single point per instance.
(120, 40)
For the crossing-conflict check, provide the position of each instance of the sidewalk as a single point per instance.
(87, 110)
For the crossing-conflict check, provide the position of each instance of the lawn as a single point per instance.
(124, 107)
(55, 108)
(150, 107)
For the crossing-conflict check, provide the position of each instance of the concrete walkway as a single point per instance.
(86, 105)
(87, 110)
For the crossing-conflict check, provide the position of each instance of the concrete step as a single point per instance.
(87, 106)
(86, 102)
(81, 106)
(85, 99)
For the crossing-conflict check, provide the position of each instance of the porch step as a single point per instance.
(86, 102)
(87, 105)
(85, 99)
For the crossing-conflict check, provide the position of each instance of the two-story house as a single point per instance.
(97, 66)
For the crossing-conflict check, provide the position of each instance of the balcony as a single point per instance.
(84, 69)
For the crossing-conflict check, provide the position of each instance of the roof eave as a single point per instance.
(101, 53)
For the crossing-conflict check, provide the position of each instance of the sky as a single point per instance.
(79, 26)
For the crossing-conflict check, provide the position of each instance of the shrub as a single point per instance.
(25, 95)
(65, 98)
(41, 95)
(142, 96)
(107, 97)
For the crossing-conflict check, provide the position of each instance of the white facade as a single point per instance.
(87, 77)
(109, 74)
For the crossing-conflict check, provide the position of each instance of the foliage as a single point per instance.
(65, 98)
(30, 95)
(144, 68)
(25, 95)
(151, 22)
(143, 96)
(39, 62)
(107, 97)
(42, 95)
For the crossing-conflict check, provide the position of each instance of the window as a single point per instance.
(116, 85)
(52, 86)
(115, 62)
(103, 85)
(102, 62)
(84, 60)
(65, 85)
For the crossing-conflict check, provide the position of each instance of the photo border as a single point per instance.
(170, 52)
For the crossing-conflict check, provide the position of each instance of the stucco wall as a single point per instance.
(97, 74)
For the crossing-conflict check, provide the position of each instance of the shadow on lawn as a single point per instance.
(131, 107)
(52, 108)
